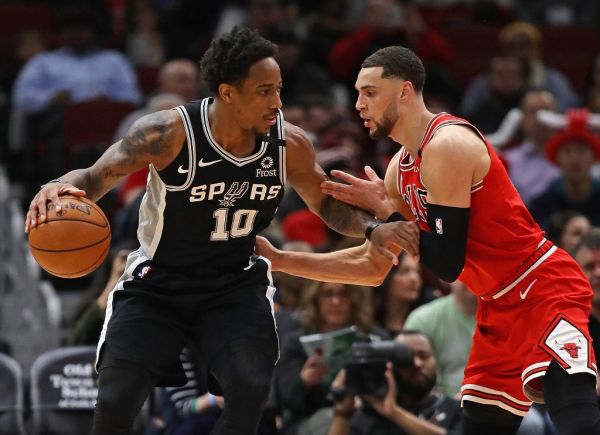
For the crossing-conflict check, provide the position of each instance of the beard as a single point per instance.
(384, 128)
(415, 390)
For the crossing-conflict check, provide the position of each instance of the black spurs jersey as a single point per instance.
(201, 214)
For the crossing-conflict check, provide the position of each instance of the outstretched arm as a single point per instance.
(305, 175)
(154, 139)
(361, 265)
(380, 197)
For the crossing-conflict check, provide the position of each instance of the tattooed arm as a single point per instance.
(305, 175)
(154, 139)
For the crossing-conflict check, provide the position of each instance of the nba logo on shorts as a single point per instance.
(438, 226)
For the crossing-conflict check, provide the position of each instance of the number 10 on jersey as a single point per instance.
(242, 223)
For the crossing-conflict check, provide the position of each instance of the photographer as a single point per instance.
(409, 406)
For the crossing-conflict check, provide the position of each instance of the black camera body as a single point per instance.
(365, 369)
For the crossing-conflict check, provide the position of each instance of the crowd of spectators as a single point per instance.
(483, 59)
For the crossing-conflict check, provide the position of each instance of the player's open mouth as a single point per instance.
(272, 119)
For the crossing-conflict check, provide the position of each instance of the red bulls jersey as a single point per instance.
(504, 242)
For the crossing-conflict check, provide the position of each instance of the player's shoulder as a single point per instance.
(297, 139)
(294, 133)
(158, 132)
(455, 141)
(161, 121)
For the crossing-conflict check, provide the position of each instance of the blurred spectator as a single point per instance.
(400, 293)
(587, 255)
(300, 78)
(258, 14)
(302, 381)
(176, 77)
(593, 93)
(524, 41)
(559, 12)
(506, 84)
(89, 317)
(574, 150)
(145, 45)
(566, 229)
(386, 22)
(449, 322)
(530, 170)
(76, 72)
(27, 44)
(79, 71)
(410, 406)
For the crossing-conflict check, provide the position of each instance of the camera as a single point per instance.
(366, 365)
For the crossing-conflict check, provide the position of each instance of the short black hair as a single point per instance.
(230, 56)
(400, 62)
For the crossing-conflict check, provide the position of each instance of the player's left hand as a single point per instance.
(386, 405)
(401, 234)
(369, 195)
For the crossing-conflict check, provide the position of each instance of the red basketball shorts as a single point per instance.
(518, 333)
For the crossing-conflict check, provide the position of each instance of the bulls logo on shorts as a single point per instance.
(568, 345)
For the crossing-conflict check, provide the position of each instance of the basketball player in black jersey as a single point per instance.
(217, 170)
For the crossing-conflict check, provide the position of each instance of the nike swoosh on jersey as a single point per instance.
(524, 294)
(202, 163)
(182, 171)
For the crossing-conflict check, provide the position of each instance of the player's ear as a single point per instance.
(225, 92)
(406, 90)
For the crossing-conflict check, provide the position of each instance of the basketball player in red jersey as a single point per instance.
(532, 341)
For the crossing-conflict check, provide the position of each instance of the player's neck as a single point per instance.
(228, 133)
(410, 128)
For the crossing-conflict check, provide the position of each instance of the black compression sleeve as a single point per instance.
(443, 250)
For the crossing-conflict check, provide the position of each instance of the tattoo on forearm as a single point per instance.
(344, 218)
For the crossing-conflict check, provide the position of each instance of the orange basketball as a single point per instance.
(72, 242)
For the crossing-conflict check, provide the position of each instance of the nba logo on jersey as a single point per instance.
(145, 271)
(438, 226)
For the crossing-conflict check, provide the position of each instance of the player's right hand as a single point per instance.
(370, 195)
(50, 192)
(402, 234)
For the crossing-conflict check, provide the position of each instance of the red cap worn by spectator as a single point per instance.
(304, 225)
(577, 130)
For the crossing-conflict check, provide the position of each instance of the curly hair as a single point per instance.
(230, 56)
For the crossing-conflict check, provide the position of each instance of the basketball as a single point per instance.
(73, 242)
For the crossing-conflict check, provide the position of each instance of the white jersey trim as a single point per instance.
(191, 144)
(496, 392)
(211, 140)
(270, 293)
(152, 217)
(133, 260)
(527, 272)
(282, 149)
